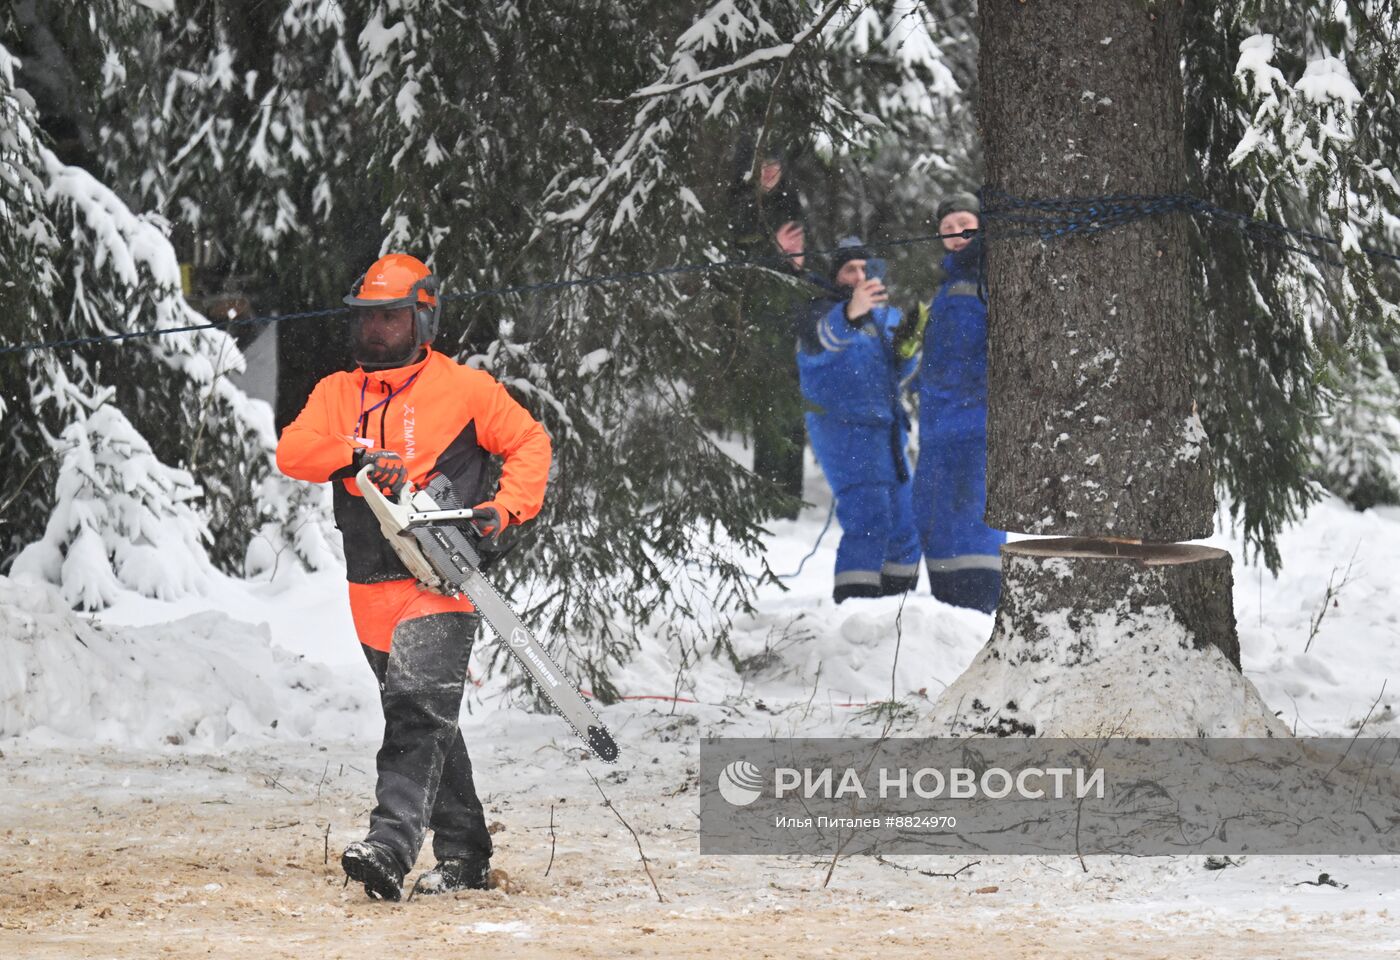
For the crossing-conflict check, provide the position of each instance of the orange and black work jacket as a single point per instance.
(441, 417)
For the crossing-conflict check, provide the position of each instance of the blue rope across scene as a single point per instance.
(1047, 219)
(1062, 216)
(522, 289)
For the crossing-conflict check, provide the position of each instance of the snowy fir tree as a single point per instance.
(1299, 134)
(133, 467)
(112, 514)
(1358, 438)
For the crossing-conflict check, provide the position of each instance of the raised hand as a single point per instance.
(867, 295)
(792, 240)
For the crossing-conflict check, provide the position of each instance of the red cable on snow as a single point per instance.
(643, 696)
(657, 696)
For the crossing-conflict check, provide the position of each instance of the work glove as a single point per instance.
(489, 520)
(909, 335)
(388, 474)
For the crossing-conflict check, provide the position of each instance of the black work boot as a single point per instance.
(451, 875)
(892, 585)
(374, 865)
(976, 589)
(845, 591)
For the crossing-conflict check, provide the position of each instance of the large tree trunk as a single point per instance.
(1092, 431)
(1091, 426)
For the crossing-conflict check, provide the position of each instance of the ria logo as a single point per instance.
(519, 638)
(740, 783)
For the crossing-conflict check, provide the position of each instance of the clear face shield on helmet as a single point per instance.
(396, 311)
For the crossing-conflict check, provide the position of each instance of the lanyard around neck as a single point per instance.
(359, 420)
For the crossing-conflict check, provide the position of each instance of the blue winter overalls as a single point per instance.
(851, 381)
(950, 481)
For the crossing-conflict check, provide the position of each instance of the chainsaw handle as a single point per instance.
(403, 504)
(417, 518)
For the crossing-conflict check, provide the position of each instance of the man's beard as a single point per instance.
(380, 355)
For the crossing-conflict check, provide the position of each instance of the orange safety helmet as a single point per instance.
(399, 280)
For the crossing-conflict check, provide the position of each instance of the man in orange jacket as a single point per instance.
(409, 412)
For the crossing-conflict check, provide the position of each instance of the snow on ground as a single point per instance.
(205, 680)
(150, 800)
(1328, 685)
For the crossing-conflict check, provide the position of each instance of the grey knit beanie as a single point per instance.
(958, 202)
(847, 249)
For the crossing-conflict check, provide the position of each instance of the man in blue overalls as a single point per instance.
(851, 382)
(950, 481)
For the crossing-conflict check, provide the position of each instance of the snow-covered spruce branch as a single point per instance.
(757, 58)
(749, 61)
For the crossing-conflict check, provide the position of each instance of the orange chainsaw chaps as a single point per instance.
(377, 608)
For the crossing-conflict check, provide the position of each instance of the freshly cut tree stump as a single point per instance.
(1100, 638)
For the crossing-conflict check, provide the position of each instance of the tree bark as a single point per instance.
(1094, 638)
(1092, 430)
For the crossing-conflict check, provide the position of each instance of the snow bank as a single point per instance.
(862, 651)
(206, 681)
(1322, 641)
